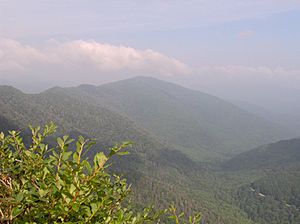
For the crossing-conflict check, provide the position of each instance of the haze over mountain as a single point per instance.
(148, 156)
(208, 91)
(286, 116)
(191, 121)
(184, 117)
(178, 136)
(159, 174)
(245, 51)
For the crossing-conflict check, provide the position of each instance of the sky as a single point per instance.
(246, 50)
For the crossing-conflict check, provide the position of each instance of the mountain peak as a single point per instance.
(11, 89)
(144, 79)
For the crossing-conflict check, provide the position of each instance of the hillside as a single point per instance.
(157, 168)
(276, 155)
(272, 193)
(193, 121)
(288, 119)
(159, 174)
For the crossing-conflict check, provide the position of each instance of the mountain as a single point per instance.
(194, 122)
(284, 153)
(288, 119)
(175, 130)
(274, 198)
(159, 174)
(20, 110)
(272, 193)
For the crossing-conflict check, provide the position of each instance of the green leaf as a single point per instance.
(65, 138)
(72, 189)
(19, 197)
(66, 155)
(87, 166)
(87, 211)
(43, 193)
(17, 211)
(76, 207)
(123, 153)
(94, 207)
(60, 142)
(100, 159)
(75, 157)
(46, 171)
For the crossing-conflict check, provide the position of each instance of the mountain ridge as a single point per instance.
(160, 171)
(279, 154)
(158, 105)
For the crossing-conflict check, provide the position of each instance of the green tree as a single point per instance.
(39, 184)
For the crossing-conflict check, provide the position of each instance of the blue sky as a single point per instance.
(205, 32)
(206, 45)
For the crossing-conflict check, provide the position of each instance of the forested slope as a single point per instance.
(169, 125)
(159, 174)
(190, 119)
(273, 195)
(284, 153)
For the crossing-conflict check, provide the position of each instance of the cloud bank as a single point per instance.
(36, 68)
(82, 62)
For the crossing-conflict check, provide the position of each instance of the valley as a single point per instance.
(196, 150)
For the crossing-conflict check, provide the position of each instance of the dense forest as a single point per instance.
(187, 146)
(272, 199)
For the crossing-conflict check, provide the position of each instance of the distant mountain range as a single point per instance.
(288, 119)
(180, 137)
(191, 120)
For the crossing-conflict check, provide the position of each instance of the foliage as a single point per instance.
(40, 184)
(187, 118)
(282, 154)
(272, 199)
(158, 174)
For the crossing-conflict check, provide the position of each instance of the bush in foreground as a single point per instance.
(39, 184)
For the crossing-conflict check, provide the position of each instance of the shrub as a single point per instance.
(39, 184)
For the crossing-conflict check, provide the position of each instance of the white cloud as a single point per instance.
(110, 58)
(71, 63)
(15, 56)
(83, 61)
